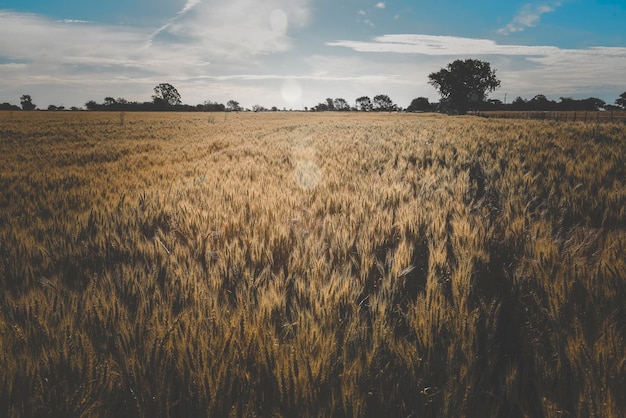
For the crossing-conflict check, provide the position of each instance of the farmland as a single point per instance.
(286, 264)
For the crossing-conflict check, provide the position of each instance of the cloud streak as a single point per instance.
(455, 46)
(528, 17)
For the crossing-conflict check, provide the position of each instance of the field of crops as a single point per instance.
(291, 264)
(559, 116)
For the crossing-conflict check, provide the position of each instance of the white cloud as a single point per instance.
(529, 16)
(361, 12)
(188, 6)
(380, 5)
(202, 31)
(235, 28)
(439, 45)
(72, 21)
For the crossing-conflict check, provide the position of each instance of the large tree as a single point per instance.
(341, 104)
(166, 94)
(364, 103)
(464, 82)
(233, 106)
(27, 102)
(383, 103)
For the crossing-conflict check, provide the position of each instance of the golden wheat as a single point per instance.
(310, 265)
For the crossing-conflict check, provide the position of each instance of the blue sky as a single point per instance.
(296, 53)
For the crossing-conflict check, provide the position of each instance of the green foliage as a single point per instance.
(27, 102)
(421, 104)
(621, 101)
(464, 82)
(383, 103)
(164, 94)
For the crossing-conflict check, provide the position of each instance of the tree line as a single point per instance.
(537, 103)
(464, 85)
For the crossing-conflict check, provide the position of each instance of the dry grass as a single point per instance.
(310, 265)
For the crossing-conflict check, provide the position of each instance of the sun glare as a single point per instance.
(279, 21)
(291, 91)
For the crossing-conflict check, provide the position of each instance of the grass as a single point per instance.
(311, 265)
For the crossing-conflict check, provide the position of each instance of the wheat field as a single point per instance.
(291, 264)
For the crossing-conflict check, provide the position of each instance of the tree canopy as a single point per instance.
(464, 82)
(621, 101)
(421, 104)
(27, 102)
(233, 105)
(166, 94)
(364, 103)
(383, 103)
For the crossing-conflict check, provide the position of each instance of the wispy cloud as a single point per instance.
(72, 21)
(380, 5)
(188, 6)
(439, 45)
(458, 46)
(528, 16)
(235, 28)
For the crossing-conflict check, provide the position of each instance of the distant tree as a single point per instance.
(541, 102)
(92, 105)
(621, 101)
(258, 108)
(27, 102)
(341, 104)
(421, 104)
(330, 105)
(493, 104)
(166, 94)
(364, 104)
(592, 103)
(383, 103)
(567, 103)
(233, 106)
(321, 107)
(518, 104)
(209, 106)
(9, 106)
(109, 101)
(462, 83)
(274, 109)
(52, 108)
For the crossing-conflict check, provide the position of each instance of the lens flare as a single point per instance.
(307, 174)
(279, 22)
(291, 90)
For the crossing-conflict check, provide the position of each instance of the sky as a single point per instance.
(296, 53)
